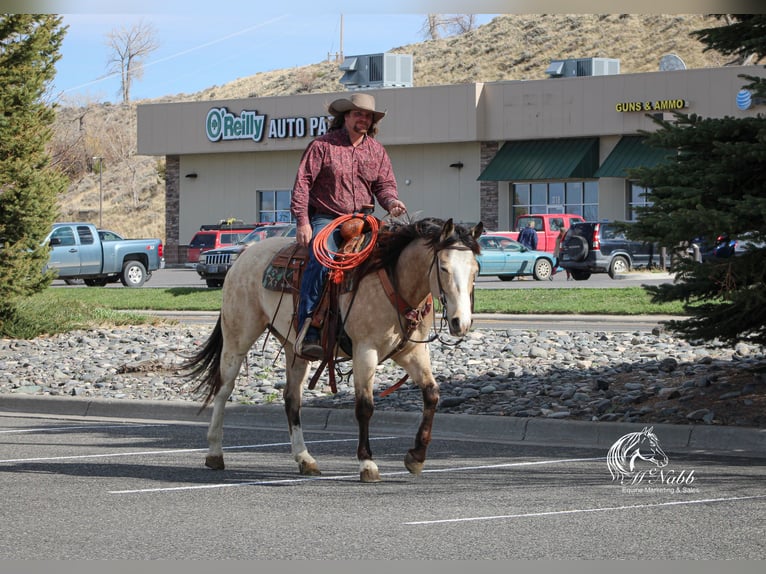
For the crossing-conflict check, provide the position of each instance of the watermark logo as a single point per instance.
(638, 462)
(630, 454)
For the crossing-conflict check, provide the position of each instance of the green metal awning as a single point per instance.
(531, 160)
(631, 152)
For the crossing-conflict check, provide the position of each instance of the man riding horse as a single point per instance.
(340, 173)
(388, 315)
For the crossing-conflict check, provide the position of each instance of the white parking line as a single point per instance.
(75, 427)
(347, 476)
(231, 485)
(580, 510)
(510, 464)
(172, 451)
(108, 455)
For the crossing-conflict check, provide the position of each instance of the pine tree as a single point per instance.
(715, 185)
(29, 187)
(742, 37)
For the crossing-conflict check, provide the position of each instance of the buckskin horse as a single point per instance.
(420, 258)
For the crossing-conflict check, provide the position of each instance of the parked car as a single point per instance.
(213, 265)
(214, 236)
(105, 235)
(547, 226)
(507, 258)
(724, 246)
(603, 247)
(77, 252)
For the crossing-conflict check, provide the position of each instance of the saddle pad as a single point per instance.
(285, 269)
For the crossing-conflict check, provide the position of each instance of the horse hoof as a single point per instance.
(309, 469)
(414, 466)
(369, 475)
(214, 462)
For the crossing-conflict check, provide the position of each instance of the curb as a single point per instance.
(733, 441)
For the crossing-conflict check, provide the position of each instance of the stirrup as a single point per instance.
(315, 352)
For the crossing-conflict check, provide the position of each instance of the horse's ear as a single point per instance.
(447, 229)
(477, 230)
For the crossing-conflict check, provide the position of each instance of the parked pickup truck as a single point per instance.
(547, 226)
(77, 251)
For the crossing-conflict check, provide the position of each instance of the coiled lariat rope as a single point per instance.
(352, 253)
(348, 257)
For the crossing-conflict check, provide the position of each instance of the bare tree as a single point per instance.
(129, 46)
(460, 23)
(452, 24)
(431, 27)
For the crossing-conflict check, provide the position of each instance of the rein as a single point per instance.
(342, 261)
(416, 316)
(353, 251)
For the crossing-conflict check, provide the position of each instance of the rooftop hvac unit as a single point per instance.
(377, 71)
(583, 67)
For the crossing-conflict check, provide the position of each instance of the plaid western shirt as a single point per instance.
(336, 178)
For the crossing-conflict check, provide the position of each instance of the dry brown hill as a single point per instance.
(510, 47)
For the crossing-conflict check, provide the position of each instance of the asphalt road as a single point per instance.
(125, 480)
(121, 488)
(186, 277)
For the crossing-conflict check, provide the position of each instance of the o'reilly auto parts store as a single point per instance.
(472, 152)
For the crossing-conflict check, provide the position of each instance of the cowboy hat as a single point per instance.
(364, 102)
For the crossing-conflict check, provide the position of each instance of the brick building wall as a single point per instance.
(175, 253)
(488, 190)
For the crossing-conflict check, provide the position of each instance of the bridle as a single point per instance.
(437, 332)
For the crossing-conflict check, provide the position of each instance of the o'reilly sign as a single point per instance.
(222, 125)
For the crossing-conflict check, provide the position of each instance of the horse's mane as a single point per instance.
(395, 236)
(616, 457)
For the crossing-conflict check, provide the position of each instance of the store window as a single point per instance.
(578, 197)
(636, 198)
(274, 205)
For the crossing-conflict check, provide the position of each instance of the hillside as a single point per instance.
(510, 47)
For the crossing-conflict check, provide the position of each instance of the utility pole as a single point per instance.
(338, 55)
(100, 189)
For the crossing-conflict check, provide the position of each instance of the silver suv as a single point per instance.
(602, 247)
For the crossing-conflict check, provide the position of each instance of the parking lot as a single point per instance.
(101, 487)
(186, 277)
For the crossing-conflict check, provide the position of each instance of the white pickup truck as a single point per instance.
(78, 252)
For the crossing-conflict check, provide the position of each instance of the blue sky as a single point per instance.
(197, 51)
(204, 43)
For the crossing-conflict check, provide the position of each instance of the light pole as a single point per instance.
(100, 189)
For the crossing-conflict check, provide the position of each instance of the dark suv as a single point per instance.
(215, 264)
(602, 247)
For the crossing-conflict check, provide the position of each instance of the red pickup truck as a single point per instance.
(547, 226)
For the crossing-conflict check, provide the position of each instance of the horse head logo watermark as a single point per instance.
(627, 456)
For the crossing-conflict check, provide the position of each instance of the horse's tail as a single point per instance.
(205, 365)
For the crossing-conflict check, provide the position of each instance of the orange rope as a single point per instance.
(338, 261)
